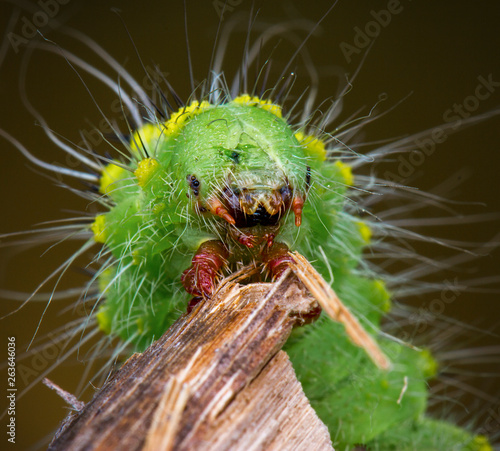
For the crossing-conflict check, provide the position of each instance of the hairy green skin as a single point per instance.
(161, 216)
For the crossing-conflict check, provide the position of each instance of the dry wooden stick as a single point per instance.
(336, 310)
(216, 380)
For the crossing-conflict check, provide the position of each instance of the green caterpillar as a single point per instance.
(205, 162)
(236, 169)
(178, 193)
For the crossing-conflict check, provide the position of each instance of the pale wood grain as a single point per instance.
(215, 380)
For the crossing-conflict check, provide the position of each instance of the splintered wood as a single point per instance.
(216, 380)
(336, 310)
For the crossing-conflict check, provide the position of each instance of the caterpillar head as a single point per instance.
(235, 169)
(242, 163)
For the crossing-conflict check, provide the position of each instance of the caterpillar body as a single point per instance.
(234, 175)
(218, 181)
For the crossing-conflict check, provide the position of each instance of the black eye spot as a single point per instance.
(194, 184)
(308, 176)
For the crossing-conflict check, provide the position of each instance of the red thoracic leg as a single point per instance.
(199, 278)
(276, 259)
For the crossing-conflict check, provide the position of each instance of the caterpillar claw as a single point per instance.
(248, 241)
(276, 258)
(270, 239)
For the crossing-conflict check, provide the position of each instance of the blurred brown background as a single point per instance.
(435, 50)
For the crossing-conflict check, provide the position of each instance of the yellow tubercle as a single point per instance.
(365, 232)
(384, 295)
(110, 174)
(103, 320)
(145, 170)
(346, 172)
(98, 227)
(267, 105)
(430, 365)
(147, 136)
(315, 147)
(178, 119)
(140, 325)
(150, 135)
(480, 443)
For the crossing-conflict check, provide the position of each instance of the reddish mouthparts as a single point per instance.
(216, 207)
(297, 205)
